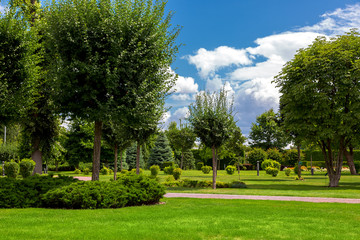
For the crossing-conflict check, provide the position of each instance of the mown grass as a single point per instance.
(188, 219)
(312, 186)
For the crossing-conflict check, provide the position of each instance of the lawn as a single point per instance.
(312, 186)
(188, 219)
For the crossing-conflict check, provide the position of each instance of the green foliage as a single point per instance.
(189, 183)
(26, 193)
(168, 164)
(275, 154)
(291, 157)
(154, 169)
(131, 157)
(199, 165)
(287, 171)
(266, 132)
(230, 169)
(257, 154)
(105, 171)
(128, 190)
(86, 171)
(161, 152)
(177, 173)
(273, 171)
(141, 171)
(11, 169)
(77, 171)
(206, 169)
(8, 152)
(189, 160)
(270, 163)
(169, 170)
(26, 167)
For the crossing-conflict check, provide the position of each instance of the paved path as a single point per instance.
(83, 178)
(254, 197)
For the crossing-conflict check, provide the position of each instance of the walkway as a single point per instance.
(255, 197)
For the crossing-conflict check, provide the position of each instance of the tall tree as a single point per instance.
(211, 117)
(161, 152)
(107, 55)
(320, 96)
(267, 133)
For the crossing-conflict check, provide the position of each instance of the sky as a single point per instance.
(242, 44)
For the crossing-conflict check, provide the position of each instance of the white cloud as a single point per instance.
(186, 85)
(207, 62)
(214, 84)
(181, 113)
(181, 97)
(338, 21)
(2, 9)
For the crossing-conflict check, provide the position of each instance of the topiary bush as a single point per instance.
(11, 169)
(77, 171)
(26, 167)
(287, 171)
(177, 173)
(169, 170)
(230, 169)
(272, 171)
(270, 163)
(141, 171)
(199, 165)
(154, 169)
(86, 171)
(206, 169)
(24, 193)
(105, 171)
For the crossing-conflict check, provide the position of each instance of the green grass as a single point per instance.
(312, 186)
(188, 219)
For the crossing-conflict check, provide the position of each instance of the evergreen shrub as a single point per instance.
(199, 165)
(169, 170)
(177, 173)
(230, 169)
(105, 171)
(257, 154)
(287, 171)
(77, 171)
(26, 167)
(133, 171)
(154, 169)
(272, 171)
(206, 169)
(11, 169)
(86, 171)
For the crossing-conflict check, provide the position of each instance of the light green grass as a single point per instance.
(312, 186)
(188, 219)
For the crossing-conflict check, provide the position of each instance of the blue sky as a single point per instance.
(243, 44)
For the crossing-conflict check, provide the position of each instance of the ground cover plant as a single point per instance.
(188, 219)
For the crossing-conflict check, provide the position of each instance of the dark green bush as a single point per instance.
(291, 157)
(257, 154)
(168, 164)
(275, 154)
(230, 169)
(154, 169)
(26, 167)
(203, 184)
(77, 171)
(62, 167)
(86, 171)
(105, 171)
(287, 171)
(169, 170)
(199, 165)
(11, 169)
(206, 169)
(177, 173)
(238, 184)
(272, 171)
(16, 193)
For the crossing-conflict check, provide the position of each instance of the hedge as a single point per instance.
(318, 156)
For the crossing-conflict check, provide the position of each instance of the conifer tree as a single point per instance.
(131, 157)
(161, 152)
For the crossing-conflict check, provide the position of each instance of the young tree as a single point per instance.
(211, 117)
(106, 56)
(320, 94)
(161, 152)
(266, 132)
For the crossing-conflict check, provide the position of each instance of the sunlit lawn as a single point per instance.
(312, 186)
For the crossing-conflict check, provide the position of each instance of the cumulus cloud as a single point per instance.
(338, 21)
(181, 113)
(186, 85)
(181, 97)
(207, 61)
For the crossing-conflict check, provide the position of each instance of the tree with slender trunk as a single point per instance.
(320, 91)
(211, 117)
(106, 56)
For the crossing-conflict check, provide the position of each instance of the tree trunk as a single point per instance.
(299, 158)
(182, 160)
(97, 150)
(115, 160)
(138, 158)
(36, 156)
(350, 160)
(121, 156)
(56, 166)
(214, 167)
(333, 166)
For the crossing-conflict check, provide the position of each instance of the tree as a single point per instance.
(181, 139)
(266, 132)
(320, 96)
(132, 157)
(211, 117)
(161, 152)
(107, 56)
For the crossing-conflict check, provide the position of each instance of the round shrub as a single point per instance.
(272, 171)
(199, 165)
(105, 171)
(86, 171)
(275, 154)
(257, 154)
(206, 169)
(77, 171)
(287, 171)
(270, 165)
(141, 171)
(230, 169)
(26, 167)
(11, 169)
(177, 173)
(154, 169)
(169, 170)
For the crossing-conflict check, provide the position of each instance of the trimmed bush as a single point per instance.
(167, 164)
(86, 171)
(77, 171)
(270, 163)
(177, 173)
(199, 165)
(154, 169)
(11, 169)
(105, 171)
(287, 171)
(141, 171)
(272, 171)
(203, 184)
(169, 170)
(206, 169)
(230, 169)
(16, 193)
(26, 167)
